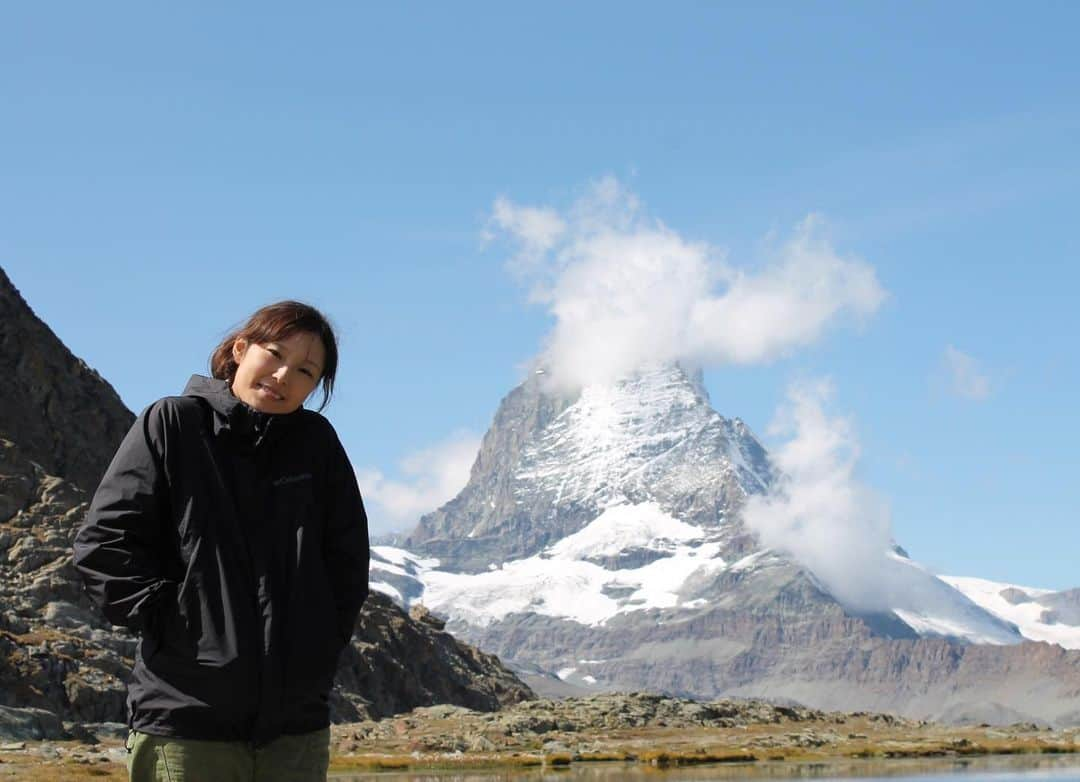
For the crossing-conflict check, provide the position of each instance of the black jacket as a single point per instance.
(235, 543)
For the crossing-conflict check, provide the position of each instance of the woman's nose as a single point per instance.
(281, 373)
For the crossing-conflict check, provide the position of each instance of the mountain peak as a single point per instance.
(549, 464)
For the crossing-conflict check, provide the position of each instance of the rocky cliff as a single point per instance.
(63, 415)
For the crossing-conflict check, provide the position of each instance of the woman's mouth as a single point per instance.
(270, 392)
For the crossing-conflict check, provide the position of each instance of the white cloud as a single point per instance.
(626, 291)
(819, 513)
(537, 230)
(966, 377)
(432, 476)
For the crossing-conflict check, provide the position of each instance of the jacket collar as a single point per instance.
(232, 415)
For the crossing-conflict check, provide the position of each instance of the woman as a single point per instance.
(229, 533)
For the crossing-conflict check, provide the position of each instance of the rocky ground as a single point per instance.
(648, 730)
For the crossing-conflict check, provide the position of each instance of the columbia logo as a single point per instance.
(287, 479)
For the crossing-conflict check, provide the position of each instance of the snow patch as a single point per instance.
(559, 583)
(402, 558)
(948, 626)
(930, 606)
(388, 590)
(621, 527)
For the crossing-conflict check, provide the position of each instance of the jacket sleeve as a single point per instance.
(346, 552)
(117, 548)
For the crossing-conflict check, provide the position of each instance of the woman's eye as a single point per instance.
(274, 352)
(307, 372)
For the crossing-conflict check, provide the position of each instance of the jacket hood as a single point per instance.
(214, 391)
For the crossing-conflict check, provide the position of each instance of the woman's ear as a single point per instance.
(239, 349)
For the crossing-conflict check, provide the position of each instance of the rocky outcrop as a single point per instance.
(399, 661)
(63, 415)
(56, 651)
(663, 731)
(605, 713)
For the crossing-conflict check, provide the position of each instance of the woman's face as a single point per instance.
(276, 377)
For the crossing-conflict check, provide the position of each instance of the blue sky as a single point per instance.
(166, 169)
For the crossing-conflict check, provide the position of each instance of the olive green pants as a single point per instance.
(303, 758)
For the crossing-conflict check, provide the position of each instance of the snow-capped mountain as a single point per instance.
(1039, 614)
(600, 536)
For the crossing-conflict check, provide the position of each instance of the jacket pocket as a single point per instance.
(170, 631)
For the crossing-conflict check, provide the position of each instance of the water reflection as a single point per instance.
(1026, 768)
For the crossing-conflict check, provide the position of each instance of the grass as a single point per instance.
(436, 761)
(604, 757)
(666, 758)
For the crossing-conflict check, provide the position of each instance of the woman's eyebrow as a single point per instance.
(280, 347)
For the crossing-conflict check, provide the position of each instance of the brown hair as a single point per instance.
(275, 322)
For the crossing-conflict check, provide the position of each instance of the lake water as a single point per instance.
(1064, 768)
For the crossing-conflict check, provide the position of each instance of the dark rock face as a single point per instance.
(59, 655)
(489, 502)
(62, 413)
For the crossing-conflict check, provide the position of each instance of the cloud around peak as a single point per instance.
(819, 512)
(625, 290)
